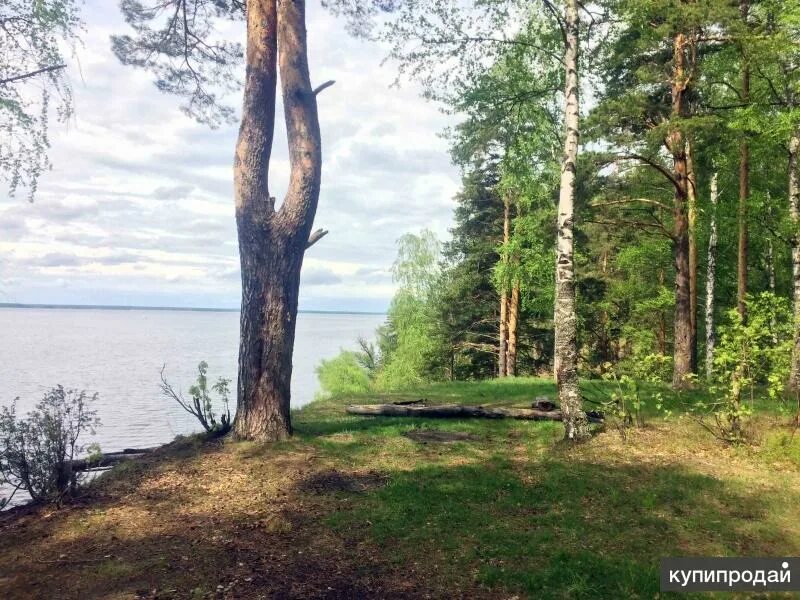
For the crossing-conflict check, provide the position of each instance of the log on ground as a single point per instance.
(456, 411)
(109, 459)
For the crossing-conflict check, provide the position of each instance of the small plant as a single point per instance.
(343, 375)
(37, 452)
(201, 405)
(625, 403)
(751, 353)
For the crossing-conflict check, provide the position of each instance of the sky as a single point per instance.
(138, 208)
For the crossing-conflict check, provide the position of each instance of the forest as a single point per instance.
(682, 210)
(595, 373)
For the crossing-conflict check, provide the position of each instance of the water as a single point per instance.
(119, 353)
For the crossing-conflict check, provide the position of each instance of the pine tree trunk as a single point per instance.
(502, 360)
(272, 243)
(566, 342)
(744, 188)
(503, 349)
(711, 279)
(692, 215)
(742, 245)
(513, 326)
(794, 215)
(682, 355)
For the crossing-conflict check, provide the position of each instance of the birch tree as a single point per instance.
(711, 279)
(33, 84)
(566, 322)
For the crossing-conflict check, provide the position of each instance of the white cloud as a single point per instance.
(138, 208)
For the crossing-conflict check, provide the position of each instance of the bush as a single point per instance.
(201, 406)
(750, 353)
(36, 452)
(343, 375)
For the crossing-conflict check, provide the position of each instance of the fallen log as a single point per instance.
(109, 459)
(455, 411)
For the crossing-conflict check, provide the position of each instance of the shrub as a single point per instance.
(36, 452)
(343, 375)
(751, 353)
(201, 405)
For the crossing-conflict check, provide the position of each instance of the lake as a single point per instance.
(119, 353)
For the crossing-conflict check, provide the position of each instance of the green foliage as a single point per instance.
(202, 405)
(343, 375)
(36, 451)
(751, 353)
(33, 37)
(411, 344)
(180, 44)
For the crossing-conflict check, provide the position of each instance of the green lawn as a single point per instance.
(352, 507)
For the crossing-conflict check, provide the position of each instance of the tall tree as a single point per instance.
(33, 37)
(566, 321)
(175, 39)
(744, 180)
(711, 279)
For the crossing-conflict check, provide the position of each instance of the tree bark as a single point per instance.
(771, 271)
(692, 218)
(503, 349)
(794, 216)
(565, 318)
(272, 243)
(513, 328)
(711, 278)
(503, 346)
(682, 356)
(744, 188)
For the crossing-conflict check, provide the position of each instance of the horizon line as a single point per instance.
(174, 308)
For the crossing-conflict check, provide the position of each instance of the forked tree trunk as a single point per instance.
(794, 215)
(692, 216)
(566, 330)
(711, 281)
(513, 328)
(682, 356)
(272, 243)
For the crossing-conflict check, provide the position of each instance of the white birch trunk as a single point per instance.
(771, 271)
(711, 280)
(794, 215)
(566, 330)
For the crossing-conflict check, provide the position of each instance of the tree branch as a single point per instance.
(652, 163)
(315, 237)
(325, 85)
(31, 74)
(630, 200)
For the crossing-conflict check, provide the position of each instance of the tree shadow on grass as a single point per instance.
(563, 529)
(250, 534)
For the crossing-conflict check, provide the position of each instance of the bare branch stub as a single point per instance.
(323, 86)
(315, 237)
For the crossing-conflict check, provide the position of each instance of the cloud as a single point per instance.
(139, 205)
(176, 192)
(319, 276)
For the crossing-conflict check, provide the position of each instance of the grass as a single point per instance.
(353, 508)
